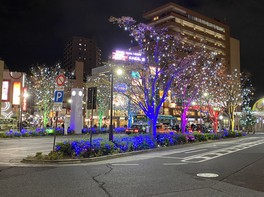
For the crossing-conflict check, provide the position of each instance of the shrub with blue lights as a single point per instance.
(134, 143)
(83, 148)
(26, 133)
(100, 146)
(59, 131)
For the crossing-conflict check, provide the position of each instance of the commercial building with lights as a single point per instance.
(196, 29)
(13, 101)
(84, 50)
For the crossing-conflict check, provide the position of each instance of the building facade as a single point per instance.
(84, 50)
(13, 99)
(197, 29)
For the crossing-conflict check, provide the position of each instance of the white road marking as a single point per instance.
(170, 157)
(194, 151)
(124, 164)
(218, 153)
(173, 164)
(207, 175)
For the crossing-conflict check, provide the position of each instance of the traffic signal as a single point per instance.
(91, 100)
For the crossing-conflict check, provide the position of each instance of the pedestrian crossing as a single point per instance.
(221, 152)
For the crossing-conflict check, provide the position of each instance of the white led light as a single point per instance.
(73, 93)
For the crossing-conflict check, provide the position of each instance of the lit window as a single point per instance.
(155, 18)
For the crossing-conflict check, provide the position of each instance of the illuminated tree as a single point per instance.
(187, 88)
(213, 95)
(103, 93)
(122, 103)
(165, 58)
(42, 86)
(247, 119)
(231, 84)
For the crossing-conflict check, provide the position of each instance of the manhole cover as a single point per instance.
(208, 175)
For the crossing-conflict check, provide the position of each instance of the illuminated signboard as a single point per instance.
(127, 56)
(16, 92)
(5, 90)
(121, 87)
(135, 74)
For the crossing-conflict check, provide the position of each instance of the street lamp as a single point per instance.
(22, 98)
(118, 72)
(205, 94)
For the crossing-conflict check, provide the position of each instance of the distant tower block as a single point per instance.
(78, 83)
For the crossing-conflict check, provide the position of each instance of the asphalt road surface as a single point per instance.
(231, 168)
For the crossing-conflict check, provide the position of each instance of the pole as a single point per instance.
(111, 109)
(91, 132)
(20, 117)
(129, 118)
(56, 122)
(20, 111)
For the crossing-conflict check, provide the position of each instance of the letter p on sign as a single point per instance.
(58, 96)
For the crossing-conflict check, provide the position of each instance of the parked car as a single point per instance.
(163, 128)
(137, 128)
(201, 128)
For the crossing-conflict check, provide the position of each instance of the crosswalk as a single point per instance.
(198, 158)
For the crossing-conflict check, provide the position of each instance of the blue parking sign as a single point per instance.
(58, 96)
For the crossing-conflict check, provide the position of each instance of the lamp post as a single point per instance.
(205, 96)
(118, 72)
(20, 113)
(111, 106)
(22, 98)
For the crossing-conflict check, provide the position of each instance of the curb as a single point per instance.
(30, 160)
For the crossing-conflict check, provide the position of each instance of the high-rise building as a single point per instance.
(195, 27)
(83, 50)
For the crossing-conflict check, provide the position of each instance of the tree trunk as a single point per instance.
(153, 128)
(184, 120)
(232, 119)
(100, 115)
(215, 121)
(45, 118)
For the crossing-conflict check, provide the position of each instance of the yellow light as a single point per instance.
(119, 71)
(16, 92)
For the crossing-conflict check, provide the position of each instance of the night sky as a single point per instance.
(35, 31)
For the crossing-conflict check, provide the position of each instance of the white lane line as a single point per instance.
(124, 164)
(218, 153)
(169, 157)
(194, 151)
(173, 164)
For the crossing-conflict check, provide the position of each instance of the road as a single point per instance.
(236, 164)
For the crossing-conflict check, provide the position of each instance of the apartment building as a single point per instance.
(83, 50)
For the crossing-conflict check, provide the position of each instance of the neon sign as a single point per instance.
(5, 90)
(127, 56)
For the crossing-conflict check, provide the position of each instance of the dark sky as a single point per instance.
(35, 31)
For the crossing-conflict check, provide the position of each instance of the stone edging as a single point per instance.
(105, 157)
